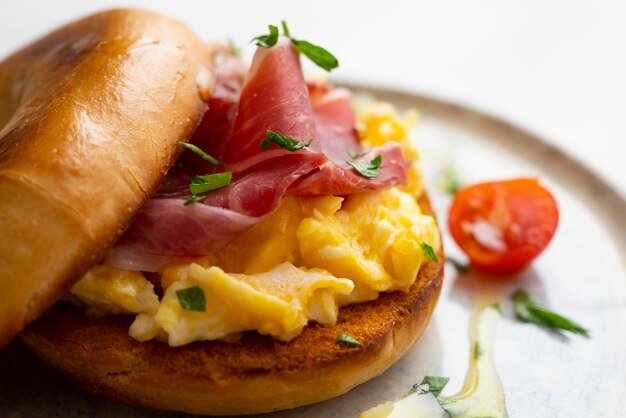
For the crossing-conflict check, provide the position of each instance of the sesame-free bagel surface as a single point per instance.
(256, 374)
(89, 119)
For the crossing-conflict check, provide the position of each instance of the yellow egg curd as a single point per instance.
(301, 263)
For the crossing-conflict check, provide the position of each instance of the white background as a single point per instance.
(556, 68)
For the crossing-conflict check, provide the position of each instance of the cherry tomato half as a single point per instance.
(503, 225)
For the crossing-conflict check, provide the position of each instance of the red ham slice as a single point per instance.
(335, 121)
(257, 191)
(274, 97)
(337, 180)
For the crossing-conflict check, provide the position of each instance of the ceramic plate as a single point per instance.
(582, 275)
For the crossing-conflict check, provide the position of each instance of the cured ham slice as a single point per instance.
(166, 232)
(274, 97)
(337, 180)
(335, 122)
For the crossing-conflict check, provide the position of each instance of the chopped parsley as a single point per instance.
(497, 307)
(283, 141)
(354, 155)
(527, 310)
(269, 40)
(192, 299)
(370, 169)
(428, 251)
(203, 184)
(234, 48)
(285, 29)
(435, 384)
(320, 56)
(348, 339)
(194, 198)
(458, 265)
(206, 157)
(477, 350)
(448, 179)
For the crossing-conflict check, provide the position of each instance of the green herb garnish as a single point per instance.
(477, 350)
(267, 41)
(234, 48)
(459, 266)
(497, 307)
(428, 251)
(206, 157)
(286, 142)
(194, 198)
(320, 56)
(371, 169)
(285, 29)
(354, 155)
(435, 383)
(348, 339)
(449, 181)
(527, 310)
(203, 184)
(192, 299)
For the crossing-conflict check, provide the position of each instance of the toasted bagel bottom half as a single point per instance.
(256, 374)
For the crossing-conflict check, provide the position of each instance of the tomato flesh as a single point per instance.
(503, 225)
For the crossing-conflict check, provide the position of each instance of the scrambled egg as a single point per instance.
(301, 263)
(381, 123)
(373, 240)
(279, 302)
(108, 290)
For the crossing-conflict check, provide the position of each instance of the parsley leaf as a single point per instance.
(458, 265)
(527, 310)
(449, 181)
(497, 307)
(477, 350)
(192, 299)
(354, 155)
(286, 142)
(371, 169)
(321, 57)
(285, 29)
(435, 383)
(267, 41)
(234, 48)
(202, 184)
(206, 157)
(428, 251)
(348, 339)
(194, 198)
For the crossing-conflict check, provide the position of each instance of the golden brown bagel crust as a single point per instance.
(89, 119)
(256, 375)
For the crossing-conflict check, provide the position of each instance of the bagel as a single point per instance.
(255, 375)
(89, 119)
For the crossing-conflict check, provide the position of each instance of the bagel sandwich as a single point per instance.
(285, 258)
